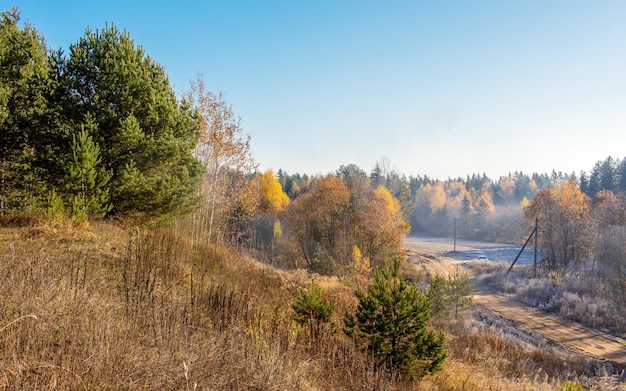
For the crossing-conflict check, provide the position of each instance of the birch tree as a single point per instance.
(224, 149)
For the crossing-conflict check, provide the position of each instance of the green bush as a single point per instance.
(391, 321)
(313, 309)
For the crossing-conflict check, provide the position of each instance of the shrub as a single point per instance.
(391, 322)
(312, 308)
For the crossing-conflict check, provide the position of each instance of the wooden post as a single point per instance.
(536, 235)
(454, 235)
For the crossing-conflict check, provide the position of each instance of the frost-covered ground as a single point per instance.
(468, 250)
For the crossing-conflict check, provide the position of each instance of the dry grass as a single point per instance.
(107, 309)
(584, 298)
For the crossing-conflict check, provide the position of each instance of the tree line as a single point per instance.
(482, 208)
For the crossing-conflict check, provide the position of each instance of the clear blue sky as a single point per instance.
(443, 88)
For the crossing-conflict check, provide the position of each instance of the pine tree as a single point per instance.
(437, 294)
(26, 138)
(458, 290)
(621, 173)
(391, 322)
(313, 309)
(583, 182)
(87, 181)
(146, 137)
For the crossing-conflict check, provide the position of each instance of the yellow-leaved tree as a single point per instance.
(565, 224)
(272, 198)
(381, 227)
(266, 228)
(507, 188)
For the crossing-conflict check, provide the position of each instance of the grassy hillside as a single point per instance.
(111, 308)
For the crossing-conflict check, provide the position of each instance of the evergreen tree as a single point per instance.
(583, 182)
(146, 137)
(391, 321)
(466, 207)
(437, 295)
(451, 293)
(458, 289)
(377, 176)
(604, 176)
(27, 137)
(621, 172)
(87, 180)
(313, 309)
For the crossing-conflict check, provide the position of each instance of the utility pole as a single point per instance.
(454, 235)
(536, 234)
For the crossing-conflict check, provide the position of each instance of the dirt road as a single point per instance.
(427, 255)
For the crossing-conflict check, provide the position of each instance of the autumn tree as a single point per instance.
(272, 199)
(391, 322)
(506, 189)
(224, 150)
(317, 222)
(430, 210)
(381, 226)
(565, 225)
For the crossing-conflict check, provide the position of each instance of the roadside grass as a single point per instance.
(107, 308)
(583, 298)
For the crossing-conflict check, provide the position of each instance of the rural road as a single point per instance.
(558, 329)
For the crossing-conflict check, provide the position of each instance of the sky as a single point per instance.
(438, 88)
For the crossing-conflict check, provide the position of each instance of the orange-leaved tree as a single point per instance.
(317, 222)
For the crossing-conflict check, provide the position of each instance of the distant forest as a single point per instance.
(484, 208)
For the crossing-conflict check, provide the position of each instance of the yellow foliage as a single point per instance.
(273, 199)
(433, 196)
(524, 203)
(456, 192)
(486, 194)
(393, 209)
(278, 230)
(564, 222)
(438, 197)
(361, 265)
(507, 187)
